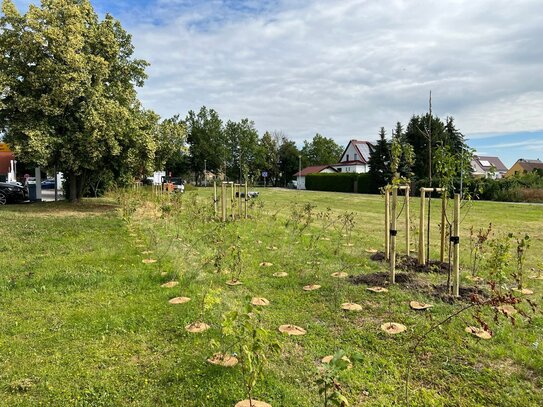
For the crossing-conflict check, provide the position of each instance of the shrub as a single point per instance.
(343, 182)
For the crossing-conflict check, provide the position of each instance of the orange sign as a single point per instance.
(4, 148)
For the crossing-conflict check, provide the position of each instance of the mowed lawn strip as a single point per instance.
(84, 321)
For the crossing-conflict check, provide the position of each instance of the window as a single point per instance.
(339, 169)
(347, 157)
(355, 156)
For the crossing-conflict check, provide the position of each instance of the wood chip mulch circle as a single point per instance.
(326, 239)
(292, 330)
(314, 263)
(220, 359)
(537, 277)
(507, 310)
(149, 261)
(348, 244)
(524, 291)
(328, 359)
(179, 300)
(170, 284)
(280, 274)
(340, 274)
(266, 264)
(260, 301)
(419, 306)
(372, 251)
(311, 287)
(393, 328)
(252, 403)
(351, 306)
(197, 327)
(234, 282)
(147, 252)
(272, 248)
(377, 289)
(478, 332)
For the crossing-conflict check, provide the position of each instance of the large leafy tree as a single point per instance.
(288, 160)
(242, 145)
(268, 157)
(321, 150)
(207, 142)
(170, 143)
(68, 96)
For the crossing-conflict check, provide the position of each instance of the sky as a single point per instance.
(344, 68)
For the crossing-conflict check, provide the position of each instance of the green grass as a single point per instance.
(84, 322)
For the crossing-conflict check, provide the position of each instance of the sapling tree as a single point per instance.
(499, 258)
(478, 247)
(523, 244)
(328, 377)
(254, 343)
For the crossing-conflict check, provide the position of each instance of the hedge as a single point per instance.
(341, 182)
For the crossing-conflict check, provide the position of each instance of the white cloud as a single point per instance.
(345, 68)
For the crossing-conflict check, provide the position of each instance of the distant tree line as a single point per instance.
(440, 154)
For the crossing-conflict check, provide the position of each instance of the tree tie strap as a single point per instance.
(455, 239)
(393, 232)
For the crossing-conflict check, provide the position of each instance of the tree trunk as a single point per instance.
(72, 191)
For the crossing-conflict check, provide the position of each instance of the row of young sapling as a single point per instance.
(244, 332)
(327, 380)
(497, 263)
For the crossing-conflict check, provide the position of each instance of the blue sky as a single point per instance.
(346, 68)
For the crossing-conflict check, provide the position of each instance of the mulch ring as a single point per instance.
(409, 263)
(413, 282)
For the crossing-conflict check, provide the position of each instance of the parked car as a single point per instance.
(292, 184)
(12, 193)
(250, 194)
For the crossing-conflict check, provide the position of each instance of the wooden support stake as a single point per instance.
(456, 245)
(246, 198)
(422, 259)
(407, 224)
(215, 209)
(232, 202)
(239, 201)
(387, 223)
(393, 233)
(223, 202)
(443, 220)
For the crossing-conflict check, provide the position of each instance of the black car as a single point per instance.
(12, 193)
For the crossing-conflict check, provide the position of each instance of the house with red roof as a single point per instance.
(355, 157)
(314, 169)
(523, 166)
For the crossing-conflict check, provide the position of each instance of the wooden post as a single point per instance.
(456, 245)
(393, 233)
(407, 223)
(422, 259)
(246, 199)
(387, 223)
(232, 202)
(239, 201)
(443, 220)
(223, 201)
(215, 198)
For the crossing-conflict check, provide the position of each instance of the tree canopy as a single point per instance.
(320, 150)
(68, 92)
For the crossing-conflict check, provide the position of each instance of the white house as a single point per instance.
(315, 169)
(486, 166)
(355, 158)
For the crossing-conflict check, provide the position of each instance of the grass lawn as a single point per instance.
(84, 321)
